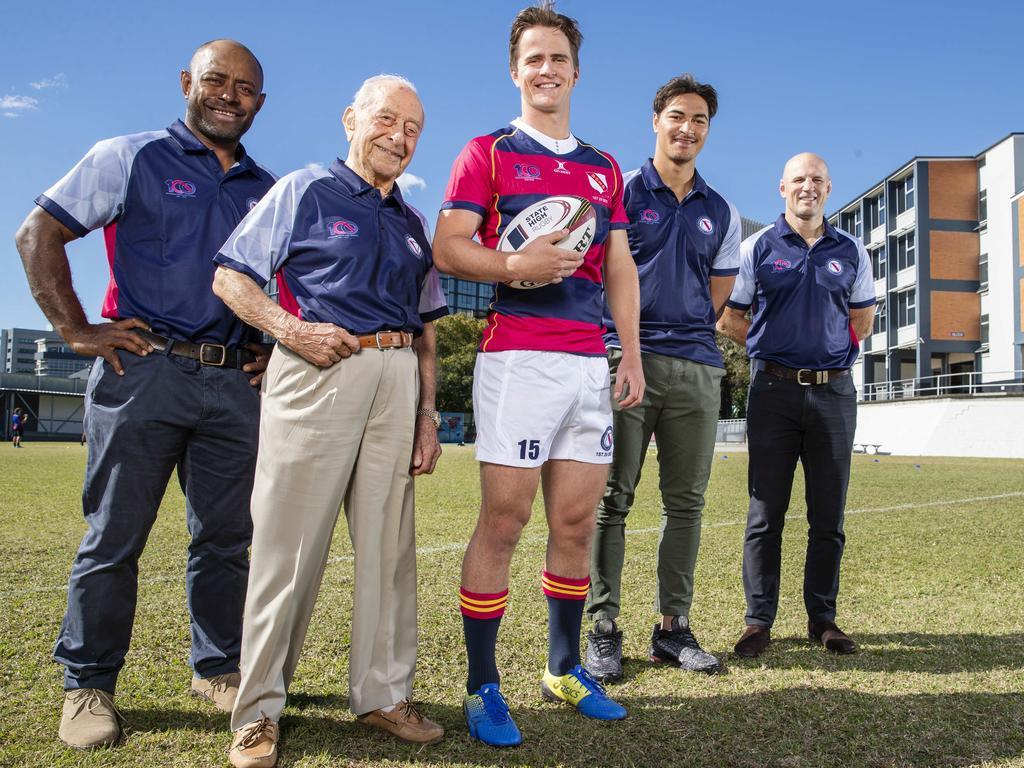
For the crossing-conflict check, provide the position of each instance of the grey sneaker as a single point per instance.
(604, 651)
(89, 719)
(678, 646)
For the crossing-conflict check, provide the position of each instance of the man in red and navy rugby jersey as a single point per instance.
(172, 384)
(541, 387)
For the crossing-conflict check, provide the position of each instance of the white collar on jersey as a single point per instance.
(558, 146)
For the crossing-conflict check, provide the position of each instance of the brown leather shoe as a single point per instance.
(404, 722)
(255, 745)
(222, 690)
(753, 641)
(831, 636)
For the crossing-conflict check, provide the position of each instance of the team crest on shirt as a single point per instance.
(649, 216)
(560, 167)
(341, 228)
(705, 225)
(606, 443)
(180, 188)
(413, 246)
(598, 181)
(251, 203)
(834, 267)
(527, 172)
(781, 265)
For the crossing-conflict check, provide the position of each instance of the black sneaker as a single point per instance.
(678, 646)
(604, 651)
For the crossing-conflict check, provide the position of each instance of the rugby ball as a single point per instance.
(550, 215)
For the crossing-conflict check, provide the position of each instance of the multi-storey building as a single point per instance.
(18, 348)
(946, 240)
(55, 358)
(474, 298)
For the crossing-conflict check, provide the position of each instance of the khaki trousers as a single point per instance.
(340, 435)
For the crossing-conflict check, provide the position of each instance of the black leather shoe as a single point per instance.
(831, 636)
(753, 641)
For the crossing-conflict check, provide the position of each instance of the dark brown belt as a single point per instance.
(803, 376)
(208, 354)
(386, 340)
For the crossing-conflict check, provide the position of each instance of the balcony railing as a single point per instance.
(947, 384)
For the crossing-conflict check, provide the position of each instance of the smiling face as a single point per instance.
(544, 73)
(681, 128)
(382, 133)
(223, 89)
(805, 186)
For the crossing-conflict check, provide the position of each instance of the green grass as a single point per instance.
(932, 584)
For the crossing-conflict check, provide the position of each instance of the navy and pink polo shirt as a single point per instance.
(802, 297)
(499, 175)
(165, 206)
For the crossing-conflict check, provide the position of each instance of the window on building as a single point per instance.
(878, 263)
(906, 308)
(984, 330)
(906, 251)
(880, 319)
(876, 211)
(904, 194)
(983, 272)
(983, 205)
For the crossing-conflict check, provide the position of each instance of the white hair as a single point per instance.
(364, 96)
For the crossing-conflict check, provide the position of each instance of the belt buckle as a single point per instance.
(799, 377)
(376, 338)
(207, 361)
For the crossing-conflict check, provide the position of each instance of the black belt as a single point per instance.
(805, 377)
(208, 354)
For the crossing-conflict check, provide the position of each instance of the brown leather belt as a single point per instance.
(385, 340)
(805, 377)
(208, 354)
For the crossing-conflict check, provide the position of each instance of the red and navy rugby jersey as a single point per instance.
(499, 175)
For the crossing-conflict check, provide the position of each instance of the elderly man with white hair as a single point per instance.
(347, 415)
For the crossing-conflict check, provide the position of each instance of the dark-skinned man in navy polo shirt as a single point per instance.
(685, 238)
(811, 294)
(347, 418)
(171, 387)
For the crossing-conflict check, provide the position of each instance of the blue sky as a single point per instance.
(866, 85)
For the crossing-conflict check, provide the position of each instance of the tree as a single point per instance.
(458, 337)
(737, 379)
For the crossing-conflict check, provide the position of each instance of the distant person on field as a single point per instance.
(685, 239)
(18, 420)
(173, 386)
(810, 289)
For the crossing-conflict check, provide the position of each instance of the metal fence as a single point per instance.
(731, 431)
(947, 384)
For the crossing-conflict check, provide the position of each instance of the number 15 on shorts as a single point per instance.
(529, 449)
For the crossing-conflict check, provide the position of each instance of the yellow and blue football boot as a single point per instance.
(581, 690)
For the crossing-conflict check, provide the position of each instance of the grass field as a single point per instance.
(932, 585)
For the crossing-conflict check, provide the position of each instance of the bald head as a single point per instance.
(223, 87)
(212, 48)
(805, 186)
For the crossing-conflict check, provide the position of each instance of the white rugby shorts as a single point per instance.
(534, 406)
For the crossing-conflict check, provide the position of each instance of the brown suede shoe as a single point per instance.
(89, 719)
(753, 641)
(255, 745)
(222, 690)
(404, 722)
(831, 636)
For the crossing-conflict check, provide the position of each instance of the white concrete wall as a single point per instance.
(978, 426)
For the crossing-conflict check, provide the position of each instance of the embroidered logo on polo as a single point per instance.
(341, 228)
(560, 167)
(834, 267)
(598, 181)
(705, 225)
(649, 216)
(527, 172)
(606, 443)
(413, 246)
(781, 265)
(251, 203)
(180, 188)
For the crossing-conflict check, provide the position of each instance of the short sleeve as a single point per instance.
(619, 219)
(744, 289)
(726, 262)
(863, 294)
(471, 184)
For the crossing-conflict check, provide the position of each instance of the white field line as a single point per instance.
(458, 547)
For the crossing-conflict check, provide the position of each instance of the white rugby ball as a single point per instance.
(550, 215)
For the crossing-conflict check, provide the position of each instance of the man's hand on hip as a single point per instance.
(322, 344)
(259, 365)
(103, 339)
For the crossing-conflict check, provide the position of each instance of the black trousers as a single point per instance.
(787, 422)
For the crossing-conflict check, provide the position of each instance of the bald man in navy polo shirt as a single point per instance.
(811, 293)
(171, 384)
(347, 416)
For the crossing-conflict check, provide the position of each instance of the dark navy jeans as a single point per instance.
(786, 423)
(165, 412)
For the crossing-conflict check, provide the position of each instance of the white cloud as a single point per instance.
(15, 106)
(59, 80)
(314, 166)
(410, 181)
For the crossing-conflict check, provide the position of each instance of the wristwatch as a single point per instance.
(431, 414)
